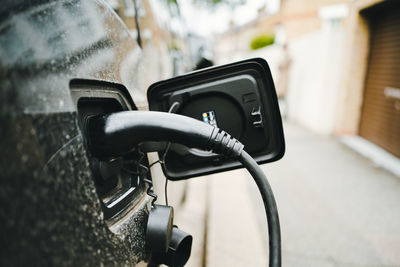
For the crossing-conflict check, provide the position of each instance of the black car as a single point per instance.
(65, 62)
(62, 61)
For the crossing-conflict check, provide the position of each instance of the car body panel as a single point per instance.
(50, 212)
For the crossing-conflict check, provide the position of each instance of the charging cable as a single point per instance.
(172, 109)
(116, 134)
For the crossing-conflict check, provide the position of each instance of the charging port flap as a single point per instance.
(239, 98)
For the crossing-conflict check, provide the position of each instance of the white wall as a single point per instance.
(272, 54)
(315, 78)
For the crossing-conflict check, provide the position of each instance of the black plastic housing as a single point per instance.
(239, 98)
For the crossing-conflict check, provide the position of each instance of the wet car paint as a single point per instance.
(50, 212)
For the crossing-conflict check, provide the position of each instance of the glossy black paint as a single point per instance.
(51, 214)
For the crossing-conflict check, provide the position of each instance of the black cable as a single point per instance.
(166, 192)
(172, 109)
(166, 180)
(274, 230)
(119, 133)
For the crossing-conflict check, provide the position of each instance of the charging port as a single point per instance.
(118, 181)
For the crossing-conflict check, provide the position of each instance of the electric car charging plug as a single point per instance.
(116, 134)
(164, 241)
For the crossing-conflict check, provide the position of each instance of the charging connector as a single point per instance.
(116, 134)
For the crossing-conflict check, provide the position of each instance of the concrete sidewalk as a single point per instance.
(336, 209)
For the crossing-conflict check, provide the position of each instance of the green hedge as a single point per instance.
(262, 41)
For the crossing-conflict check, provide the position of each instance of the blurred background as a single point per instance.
(336, 66)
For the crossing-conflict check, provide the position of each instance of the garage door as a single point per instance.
(380, 119)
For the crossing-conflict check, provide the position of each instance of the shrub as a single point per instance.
(262, 41)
